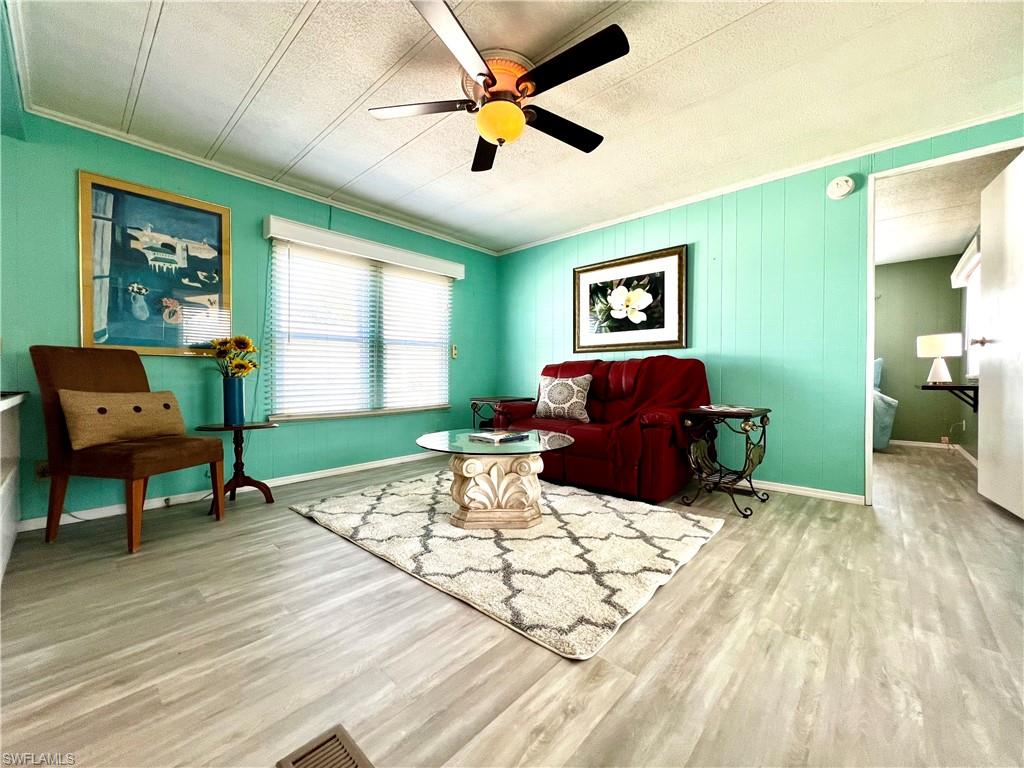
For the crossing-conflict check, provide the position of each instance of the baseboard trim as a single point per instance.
(966, 454)
(112, 510)
(814, 493)
(953, 447)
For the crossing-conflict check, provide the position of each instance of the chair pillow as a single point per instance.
(96, 418)
(563, 398)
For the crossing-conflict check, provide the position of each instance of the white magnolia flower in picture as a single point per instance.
(626, 303)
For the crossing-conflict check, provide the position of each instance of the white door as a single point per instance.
(1001, 380)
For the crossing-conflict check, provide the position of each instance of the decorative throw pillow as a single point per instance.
(96, 418)
(563, 398)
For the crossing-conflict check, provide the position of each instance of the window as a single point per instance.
(352, 335)
(972, 323)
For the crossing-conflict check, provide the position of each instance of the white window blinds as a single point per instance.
(351, 335)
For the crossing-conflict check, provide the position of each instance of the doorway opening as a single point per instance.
(923, 306)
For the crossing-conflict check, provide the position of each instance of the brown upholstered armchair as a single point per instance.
(133, 461)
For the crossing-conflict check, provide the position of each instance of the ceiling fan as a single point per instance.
(498, 83)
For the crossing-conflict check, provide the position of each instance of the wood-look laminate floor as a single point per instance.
(815, 633)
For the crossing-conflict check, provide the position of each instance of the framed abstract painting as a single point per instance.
(638, 302)
(155, 268)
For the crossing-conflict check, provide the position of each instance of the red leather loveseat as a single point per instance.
(635, 444)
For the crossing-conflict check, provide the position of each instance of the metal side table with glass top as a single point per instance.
(495, 485)
(483, 408)
(701, 425)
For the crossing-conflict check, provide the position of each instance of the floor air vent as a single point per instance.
(333, 749)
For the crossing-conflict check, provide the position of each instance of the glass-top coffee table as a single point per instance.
(495, 486)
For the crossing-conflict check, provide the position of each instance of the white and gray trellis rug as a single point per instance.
(568, 583)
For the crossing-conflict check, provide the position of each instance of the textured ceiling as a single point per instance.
(711, 95)
(934, 211)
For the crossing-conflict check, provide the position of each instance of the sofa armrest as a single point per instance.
(507, 413)
(671, 421)
(668, 418)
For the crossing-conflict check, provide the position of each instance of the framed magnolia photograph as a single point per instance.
(638, 302)
(155, 268)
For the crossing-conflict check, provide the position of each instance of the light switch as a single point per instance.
(455, 351)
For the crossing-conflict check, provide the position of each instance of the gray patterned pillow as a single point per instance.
(563, 398)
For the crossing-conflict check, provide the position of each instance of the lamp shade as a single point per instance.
(940, 345)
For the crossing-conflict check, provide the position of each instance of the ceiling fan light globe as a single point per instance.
(500, 122)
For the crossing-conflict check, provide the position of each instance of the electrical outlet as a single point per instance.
(455, 351)
(42, 470)
(944, 439)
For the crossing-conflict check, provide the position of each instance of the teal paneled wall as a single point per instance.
(776, 292)
(914, 298)
(40, 305)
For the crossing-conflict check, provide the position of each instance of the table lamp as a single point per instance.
(939, 346)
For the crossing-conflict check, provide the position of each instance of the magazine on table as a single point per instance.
(724, 407)
(499, 436)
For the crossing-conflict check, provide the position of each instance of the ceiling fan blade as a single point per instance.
(426, 108)
(597, 50)
(446, 26)
(573, 134)
(483, 160)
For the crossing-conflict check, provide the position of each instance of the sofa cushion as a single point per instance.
(96, 418)
(142, 458)
(590, 440)
(564, 398)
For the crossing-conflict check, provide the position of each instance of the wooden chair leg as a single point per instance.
(135, 496)
(58, 489)
(217, 476)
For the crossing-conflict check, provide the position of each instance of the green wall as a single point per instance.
(969, 438)
(914, 298)
(39, 251)
(776, 303)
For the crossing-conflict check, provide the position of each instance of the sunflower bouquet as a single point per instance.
(234, 356)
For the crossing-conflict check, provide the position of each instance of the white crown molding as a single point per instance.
(18, 41)
(387, 218)
(777, 175)
(418, 225)
(160, 502)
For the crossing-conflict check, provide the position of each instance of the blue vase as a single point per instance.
(234, 402)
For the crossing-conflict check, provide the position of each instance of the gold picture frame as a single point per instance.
(155, 268)
(634, 303)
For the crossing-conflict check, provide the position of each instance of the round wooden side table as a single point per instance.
(239, 479)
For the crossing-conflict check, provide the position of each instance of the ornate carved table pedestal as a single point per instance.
(495, 486)
(712, 475)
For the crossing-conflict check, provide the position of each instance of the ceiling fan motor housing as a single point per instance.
(500, 119)
(507, 66)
